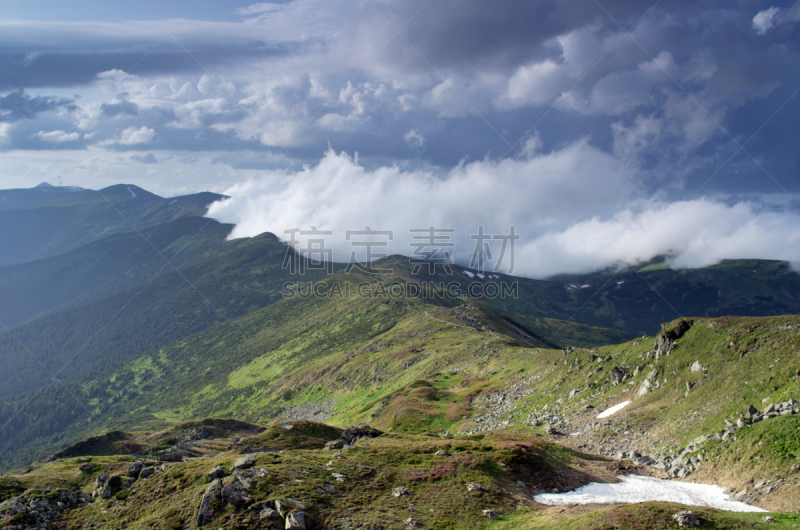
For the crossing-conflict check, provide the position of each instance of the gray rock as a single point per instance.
(268, 513)
(146, 472)
(235, 493)
(442, 452)
(245, 462)
(491, 514)
(84, 460)
(474, 486)
(769, 519)
(751, 410)
(213, 493)
(86, 468)
(134, 469)
(412, 523)
(217, 472)
(686, 519)
(296, 521)
(401, 491)
(696, 367)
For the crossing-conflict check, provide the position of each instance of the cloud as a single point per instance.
(774, 16)
(694, 233)
(577, 210)
(57, 137)
(536, 193)
(134, 136)
(414, 139)
(148, 158)
(120, 108)
(18, 105)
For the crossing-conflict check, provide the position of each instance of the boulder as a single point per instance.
(696, 367)
(401, 491)
(491, 514)
(245, 462)
(213, 493)
(146, 472)
(751, 410)
(442, 452)
(215, 473)
(412, 523)
(235, 493)
(296, 521)
(134, 469)
(686, 519)
(475, 487)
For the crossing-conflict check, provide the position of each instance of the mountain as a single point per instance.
(429, 378)
(20, 199)
(71, 220)
(162, 340)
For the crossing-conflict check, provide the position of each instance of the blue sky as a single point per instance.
(606, 130)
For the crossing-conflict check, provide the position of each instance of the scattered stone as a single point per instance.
(235, 493)
(412, 523)
(268, 513)
(769, 519)
(134, 469)
(686, 519)
(217, 472)
(245, 462)
(296, 521)
(442, 452)
(339, 477)
(400, 491)
(474, 486)
(491, 514)
(697, 367)
(751, 410)
(84, 460)
(213, 493)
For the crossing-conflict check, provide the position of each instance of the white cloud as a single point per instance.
(5, 132)
(414, 139)
(56, 137)
(134, 136)
(774, 16)
(695, 233)
(605, 221)
(534, 194)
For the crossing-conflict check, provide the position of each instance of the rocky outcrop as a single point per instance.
(686, 519)
(296, 521)
(36, 508)
(351, 435)
(211, 496)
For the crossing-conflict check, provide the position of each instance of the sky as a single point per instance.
(603, 131)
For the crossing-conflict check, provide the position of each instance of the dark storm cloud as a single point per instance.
(18, 105)
(126, 108)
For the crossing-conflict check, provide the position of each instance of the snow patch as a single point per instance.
(173, 202)
(634, 488)
(133, 193)
(469, 274)
(611, 410)
(481, 276)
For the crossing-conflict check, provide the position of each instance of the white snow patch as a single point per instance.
(481, 276)
(469, 274)
(133, 193)
(585, 285)
(634, 488)
(172, 202)
(611, 410)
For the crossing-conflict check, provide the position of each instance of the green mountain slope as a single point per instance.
(431, 376)
(103, 267)
(20, 199)
(634, 300)
(222, 281)
(76, 219)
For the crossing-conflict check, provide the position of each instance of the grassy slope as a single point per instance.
(77, 219)
(103, 267)
(223, 281)
(416, 370)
